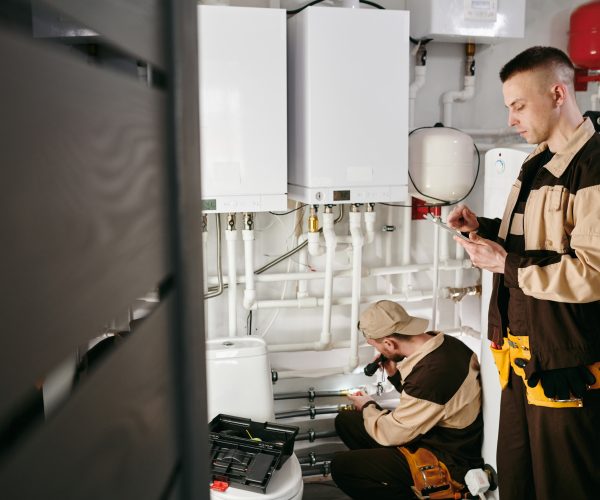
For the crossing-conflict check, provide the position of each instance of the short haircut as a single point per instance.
(549, 58)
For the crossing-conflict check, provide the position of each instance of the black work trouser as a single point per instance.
(369, 470)
(547, 453)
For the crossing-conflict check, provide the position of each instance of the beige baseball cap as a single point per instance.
(386, 317)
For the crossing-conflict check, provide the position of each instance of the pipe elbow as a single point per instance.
(313, 244)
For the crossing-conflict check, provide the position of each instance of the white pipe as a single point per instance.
(310, 373)
(436, 272)
(370, 226)
(318, 345)
(310, 302)
(445, 237)
(250, 290)
(351, 4)
(314, 248)
(231, 236)
(302, 346)
(458, 283)
(406, 238)
(357, 244)
(302, 287)
(448, 98)
(330, 242)
(415, 86)
(388, 247)
(204, 267)
(595, 99)
(450, 265)
(491, 132)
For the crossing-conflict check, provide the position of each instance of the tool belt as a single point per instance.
(517, 348)
(431, 477)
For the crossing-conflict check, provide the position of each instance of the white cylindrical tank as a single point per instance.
(441, 164)
(238, 378)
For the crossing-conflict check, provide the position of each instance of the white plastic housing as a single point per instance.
(238, 378)
(478, 21)
(243, 123)
(347, 105)
(442, 164)
(502, 167)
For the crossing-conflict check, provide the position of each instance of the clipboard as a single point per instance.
(439, 223)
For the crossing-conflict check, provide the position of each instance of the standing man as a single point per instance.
(437, 420)
(544, 311)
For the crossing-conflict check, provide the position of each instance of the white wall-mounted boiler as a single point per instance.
(243, 124)
(348, 105)
(477, 21)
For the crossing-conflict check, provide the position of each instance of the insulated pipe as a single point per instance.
(436, 273)
(457, 95)
(248, 237)
(417, 83)
(406, 235)
(458, 283)
(466, 93)
(330, 243)
(231, 236)
(302, 290)
(313, 235)
(357, 244)
(389, 236)
(370, 223)
(445, 237)
(450, 265)
(311, 302)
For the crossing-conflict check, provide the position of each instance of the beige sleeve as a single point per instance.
(571, 279)
(411, 418)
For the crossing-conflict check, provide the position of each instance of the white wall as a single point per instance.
(546, 24)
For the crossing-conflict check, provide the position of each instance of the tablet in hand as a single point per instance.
(439, 223)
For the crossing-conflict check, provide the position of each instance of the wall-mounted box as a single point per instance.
(478, 21)
(243, 123)
(348, 105)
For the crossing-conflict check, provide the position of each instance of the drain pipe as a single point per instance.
(231, 236)
(461, 95)
(357, 244)
(417, 83)
(248, 237)
(330, 244)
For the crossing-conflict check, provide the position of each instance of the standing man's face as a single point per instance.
(532, 108)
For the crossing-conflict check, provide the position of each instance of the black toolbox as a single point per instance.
(245, 454)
